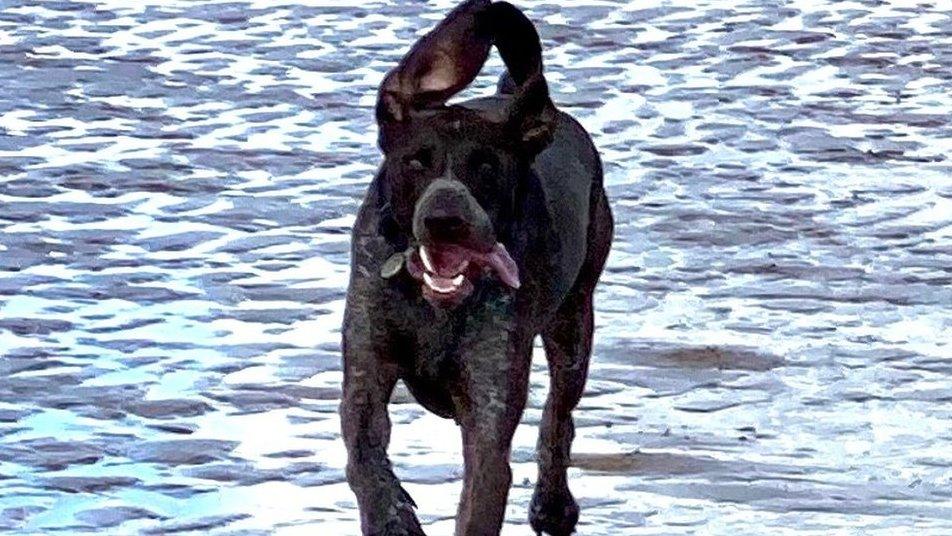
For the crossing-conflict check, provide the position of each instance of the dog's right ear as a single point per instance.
(533, 117)
(439, 65)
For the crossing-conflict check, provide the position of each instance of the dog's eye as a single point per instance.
(484, 164)
(420, 160)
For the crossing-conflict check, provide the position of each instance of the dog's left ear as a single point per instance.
(532, 116)
(439, 65)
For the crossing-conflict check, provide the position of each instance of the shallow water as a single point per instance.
(177, 182)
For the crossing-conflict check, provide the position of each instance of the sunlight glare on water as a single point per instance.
(177, 184)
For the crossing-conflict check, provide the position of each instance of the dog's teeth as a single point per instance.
(428, 279)
(451, 286)
(427, 261)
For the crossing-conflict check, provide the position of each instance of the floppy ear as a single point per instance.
(439, 65)
(532, 115)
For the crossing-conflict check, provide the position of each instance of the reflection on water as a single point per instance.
(177, 182)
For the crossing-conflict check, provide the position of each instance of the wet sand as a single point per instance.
(177, 184)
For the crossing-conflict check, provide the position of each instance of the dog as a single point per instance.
(486, 225)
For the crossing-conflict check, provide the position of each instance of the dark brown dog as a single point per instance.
(486, 225)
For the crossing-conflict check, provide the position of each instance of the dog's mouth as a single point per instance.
(447, 272)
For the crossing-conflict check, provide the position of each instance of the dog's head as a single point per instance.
(453, 176)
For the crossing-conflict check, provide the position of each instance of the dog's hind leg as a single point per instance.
(568, 343)
(369, 378)
(506, 85)
(568, 347)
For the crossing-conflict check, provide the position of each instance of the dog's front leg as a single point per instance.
(495, 362)
(369, 378)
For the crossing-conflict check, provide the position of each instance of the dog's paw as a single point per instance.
(554, 514)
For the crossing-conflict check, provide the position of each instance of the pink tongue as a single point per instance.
(448, 261)
(505, 267)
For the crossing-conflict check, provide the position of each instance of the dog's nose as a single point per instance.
(448, 213)
(444, 228)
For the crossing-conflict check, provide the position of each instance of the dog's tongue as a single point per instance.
(449, 261)
(500, 261)
(446, 261)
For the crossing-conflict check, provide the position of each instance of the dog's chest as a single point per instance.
(437, 340)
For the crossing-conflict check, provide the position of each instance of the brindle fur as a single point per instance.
(471, 362)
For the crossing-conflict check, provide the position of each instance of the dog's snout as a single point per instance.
(444, 228)
(447, 213)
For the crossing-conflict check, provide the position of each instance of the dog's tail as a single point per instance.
(506, 85)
